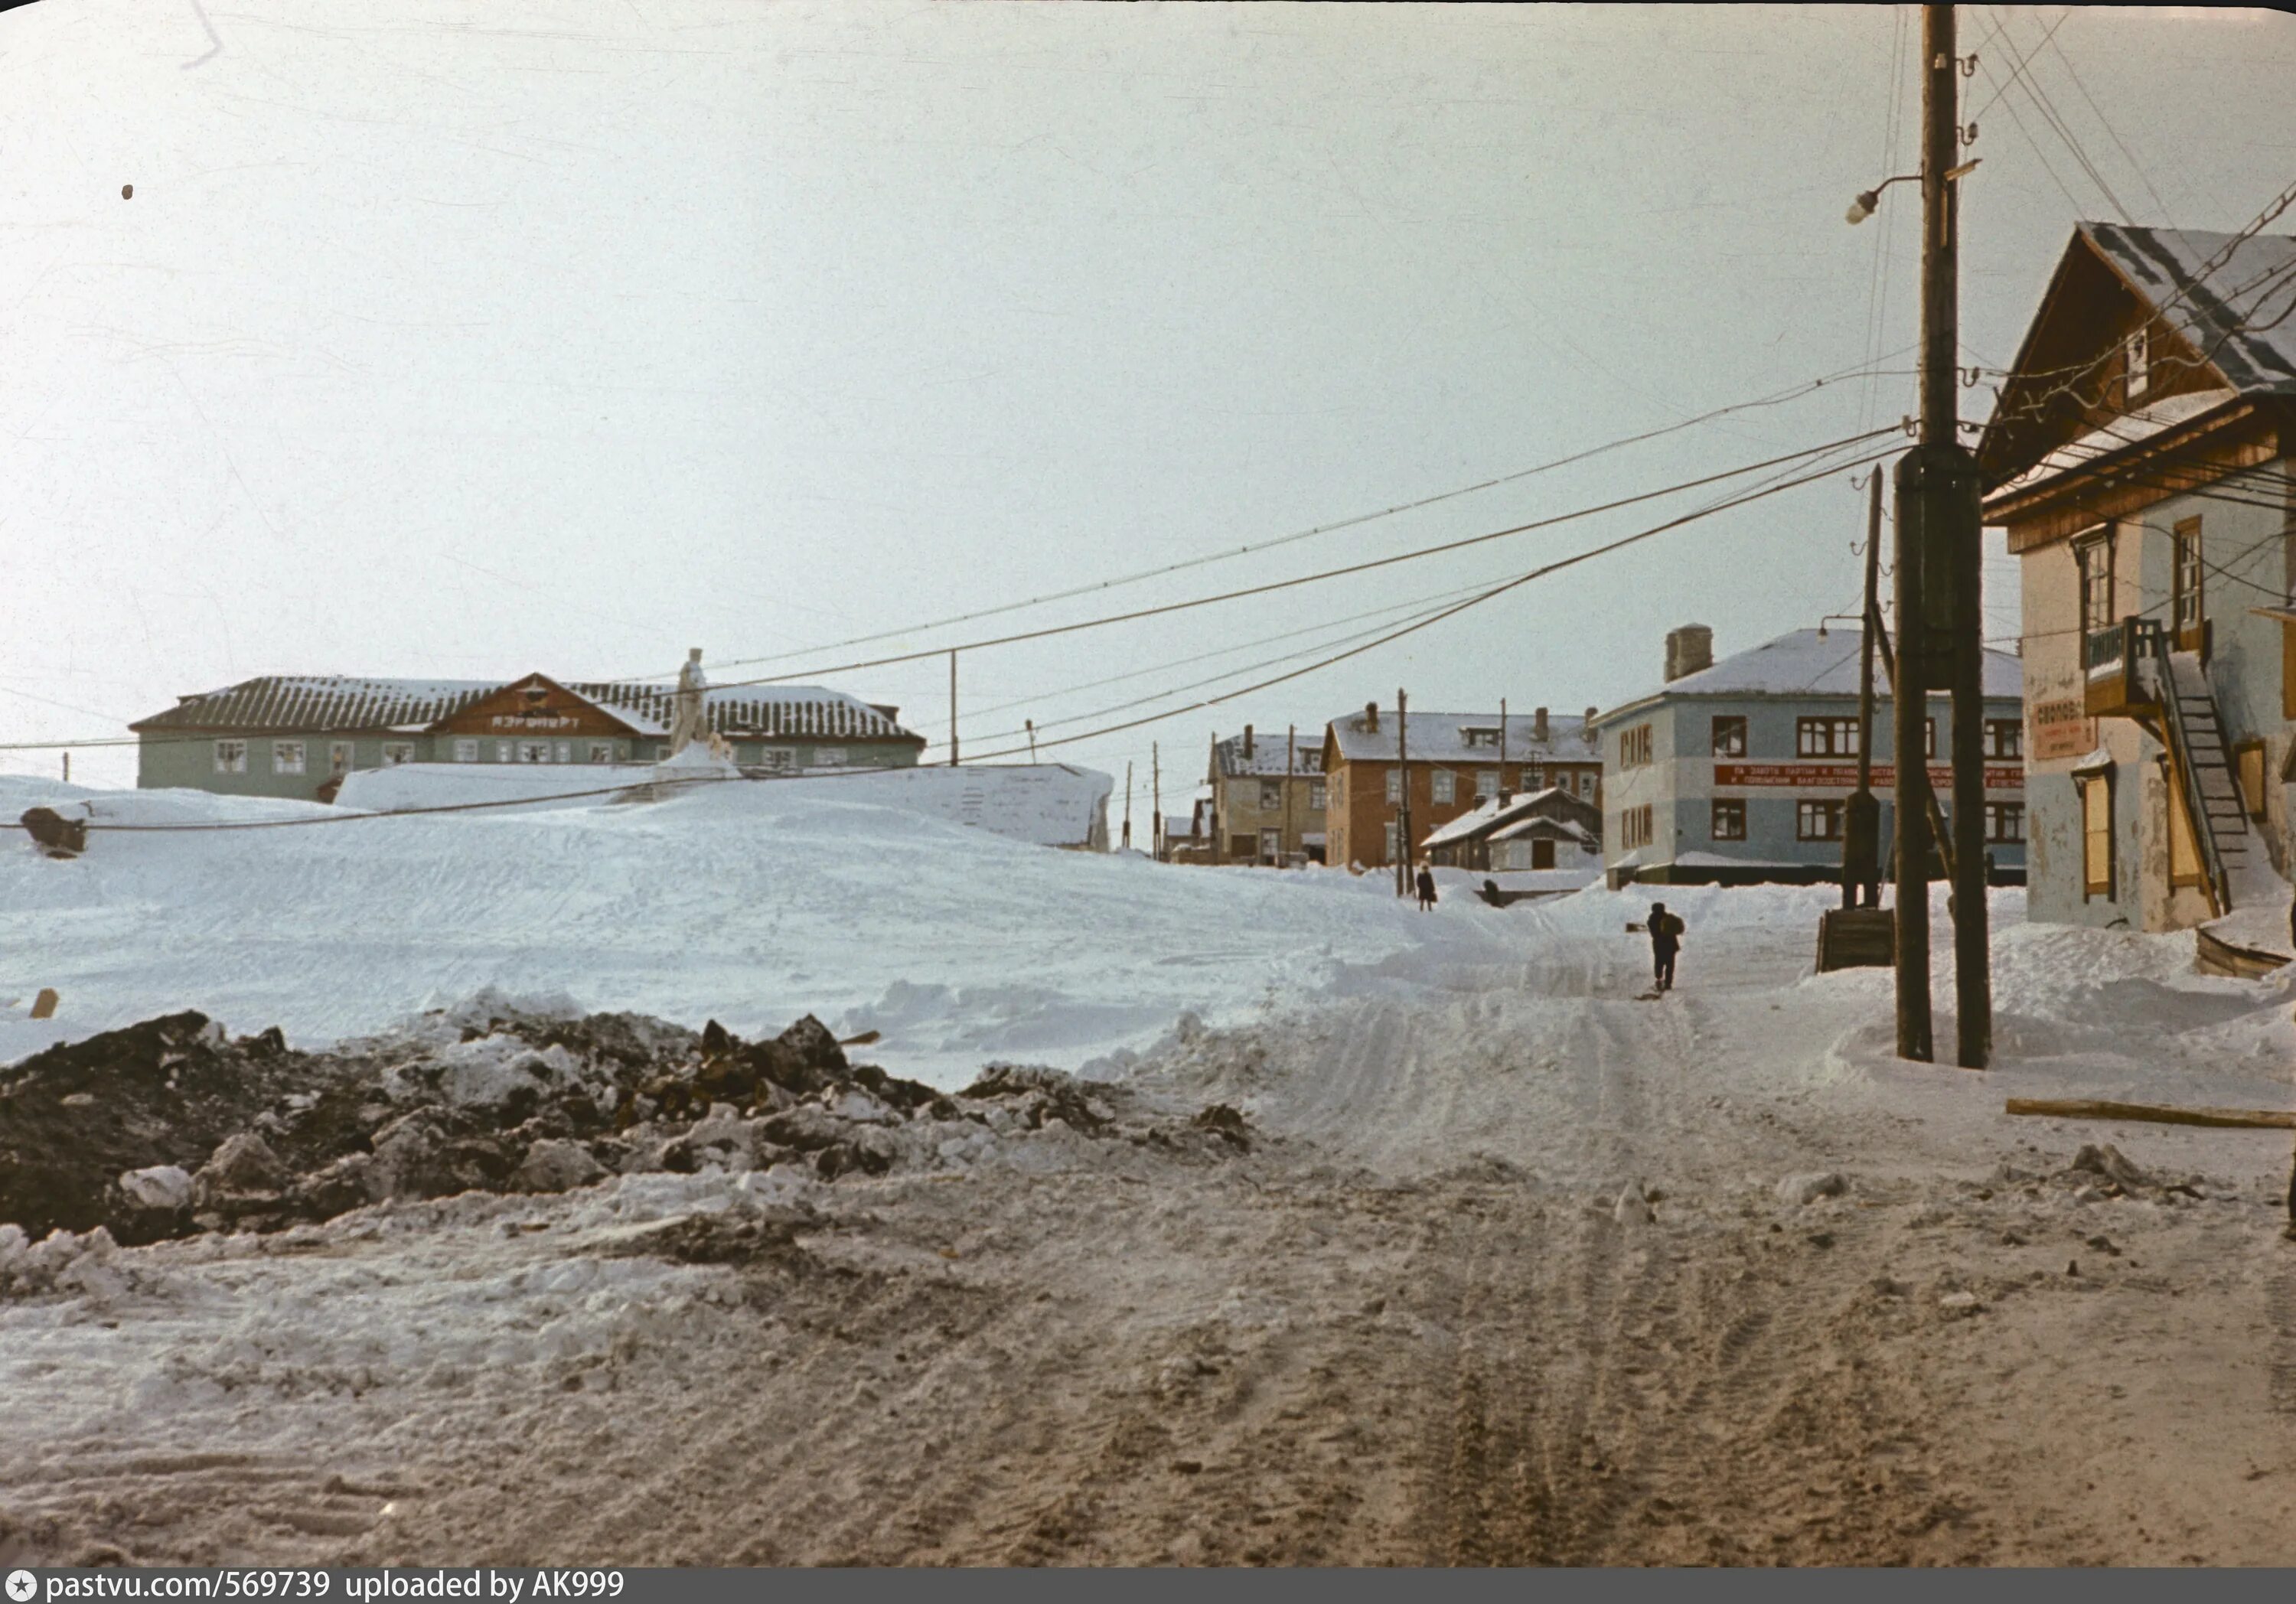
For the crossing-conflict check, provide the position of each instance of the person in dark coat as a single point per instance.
(1666, 941)
(1426, 884)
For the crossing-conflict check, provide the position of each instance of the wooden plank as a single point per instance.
(2081, 1108)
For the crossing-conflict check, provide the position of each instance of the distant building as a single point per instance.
(297, 736)
(1735, 773)
(1267, 799)
(1450, 762)
(1549, 828)
(2139, 458)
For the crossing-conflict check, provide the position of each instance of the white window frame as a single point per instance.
(2136, 364)
(1394, 789)
(1394, 840)
(288, 757)
(1445, 786)
(505, 751)
(231, 756)
(776, 760)
(1318, 795)
(1271, 795)
(534, 751)
(396, 752)
(1487, 783)
(601, 751)
(466, 751)
(565, 751)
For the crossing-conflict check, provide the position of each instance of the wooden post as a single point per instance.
(1403, 854)
(952, 707)
(1156, 800)
(1031, 724)
(1861, 845)
(1291, 765)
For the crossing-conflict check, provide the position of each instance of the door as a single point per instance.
(1271, 845)
(2186, 602)
(1542, 854)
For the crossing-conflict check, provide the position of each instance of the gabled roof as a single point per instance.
(1442, 738)
(1807, 663)
(342, 703)
(2227, 315)
(1496, 818)
(1266, 759)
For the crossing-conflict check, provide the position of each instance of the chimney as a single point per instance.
(1370, 717)
(1247, 743)
(1588, 729)
(1538, 726)
(1688, 650)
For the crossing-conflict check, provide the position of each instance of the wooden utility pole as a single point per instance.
(1031, 724)
(1402, 795)
(1156, 797)
(1502, 785)
(1861, 844)
(1290, 768)
(952, 708)
(1128, 805)
(1941, 633)
(67, 768)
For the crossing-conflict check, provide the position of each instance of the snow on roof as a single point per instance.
(1810, 662)
(1443, 737)
(2134, 428)
(354, 702)
(1545, 826)
(1516, 814)
(2224, 315)
(1266, 759)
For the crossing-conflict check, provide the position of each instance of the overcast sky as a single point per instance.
(461, 341)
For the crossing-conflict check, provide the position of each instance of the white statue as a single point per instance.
(690, 718)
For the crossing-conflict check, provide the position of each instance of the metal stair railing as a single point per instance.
(2151, 640)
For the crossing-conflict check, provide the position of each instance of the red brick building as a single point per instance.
(1454, 760)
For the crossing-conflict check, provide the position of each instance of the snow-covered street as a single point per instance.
(1518, 1266)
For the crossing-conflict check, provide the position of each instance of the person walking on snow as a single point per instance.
(1426, 884)
(1666, 941)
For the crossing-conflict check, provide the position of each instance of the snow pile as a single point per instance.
(752, 904)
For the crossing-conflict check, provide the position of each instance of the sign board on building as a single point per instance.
(2061, 729)
(1845, 775)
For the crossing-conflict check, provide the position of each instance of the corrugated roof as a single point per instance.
(1442, 738)
(1266, 759)
(2224, 315)
(330, 702)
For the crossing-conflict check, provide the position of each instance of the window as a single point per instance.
(661, 752)
(2096, 834)
(534, 751)
(1730, 737)
(1929, 738)
(1826, 737)
(396, 752)
(1635, 747)
(1729, 819)
(2186, 600)
(1317, 794)
(1271, 845)
(1533, 777)
(565, 751)
(286, 756)
(1487, 783)
(339, 757)
(1394, 845)
(504, 751)
(2093, 555)
(466, 751)
(2137, 365)
(1586, 784)
(601, 751)
(1271, 795)
(2248, 764)
(2004, 822)
(1394, 786)
(1481, 737)
(231, 756)
(1635, 827)
(777, 759)
(828, 756)
(1446, 786)
(2005, 738)
(1817, 819)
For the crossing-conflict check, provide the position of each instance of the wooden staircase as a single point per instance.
(2200, 765)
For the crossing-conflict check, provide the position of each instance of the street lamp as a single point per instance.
(1869, 200)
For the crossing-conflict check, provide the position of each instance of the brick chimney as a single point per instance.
(1247, 743)
(1688, 650)
(1370, 717)
(1588, 729)
(1538, 726)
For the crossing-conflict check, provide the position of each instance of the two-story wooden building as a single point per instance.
(2139, 457)
(1267, 799)
(1446, 763)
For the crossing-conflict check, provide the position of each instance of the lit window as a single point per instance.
(231, 756)
(286, 756)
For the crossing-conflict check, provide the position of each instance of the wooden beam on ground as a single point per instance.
(2080, 1107)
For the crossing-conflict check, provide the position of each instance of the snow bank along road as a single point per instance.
(1508, 1275)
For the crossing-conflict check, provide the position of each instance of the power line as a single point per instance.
(1777, 398)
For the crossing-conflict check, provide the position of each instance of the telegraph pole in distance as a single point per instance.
(1403, 796)
(1128, 805)
(952, 708)
(1155, 798)
(1861, 850)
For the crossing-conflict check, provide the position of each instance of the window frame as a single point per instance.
(398, 752)
(1728, 735)
(1319, 795)
(1443, 788)
(2005, 739)
(1395, 787)
(2098, 880)
(2000, 817)
(1839, 735)
(1829, 810)
(601, 751)
(2187, 583)
(1727, 820)
(290, 757)
(1487, 784)
(2136, 364)
(1271, 796)
(2094, 560)
(231, 756)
